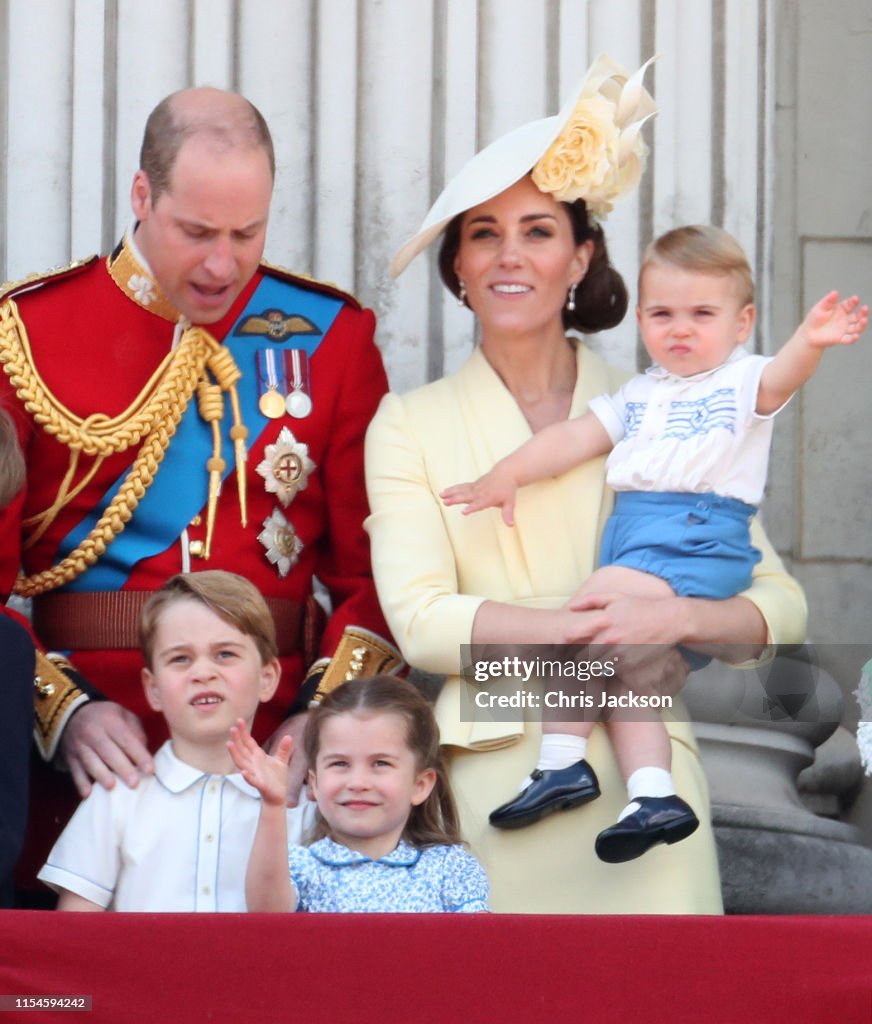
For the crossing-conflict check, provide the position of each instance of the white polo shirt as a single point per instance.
(179, 841)
(696, 434)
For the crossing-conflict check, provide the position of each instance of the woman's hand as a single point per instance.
(617, 619)
(640, 634)
(732, 630)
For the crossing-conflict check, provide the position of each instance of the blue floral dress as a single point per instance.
(330, 878)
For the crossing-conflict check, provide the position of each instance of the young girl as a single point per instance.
(386, 838)
(689, 442)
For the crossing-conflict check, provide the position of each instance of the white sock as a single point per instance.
(647, 782)
(558, 750)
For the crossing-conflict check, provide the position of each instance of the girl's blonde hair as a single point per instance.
(12, 469)
(702, 249)
(435, 821)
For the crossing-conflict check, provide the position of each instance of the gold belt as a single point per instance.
(109, 620)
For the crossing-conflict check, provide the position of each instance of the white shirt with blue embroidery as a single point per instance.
(696, 434)
(330, 878)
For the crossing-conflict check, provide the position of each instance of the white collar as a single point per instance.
(660, 373)
(334, 854)
(176, 775)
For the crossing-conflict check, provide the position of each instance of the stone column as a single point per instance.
(757, 731)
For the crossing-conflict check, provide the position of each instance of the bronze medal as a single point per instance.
(271, 383)
(271, 404)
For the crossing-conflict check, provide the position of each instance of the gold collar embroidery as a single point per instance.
(137, 283)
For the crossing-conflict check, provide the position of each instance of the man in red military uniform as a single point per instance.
(183, 405)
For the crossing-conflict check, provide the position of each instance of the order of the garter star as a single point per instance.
(286, 467)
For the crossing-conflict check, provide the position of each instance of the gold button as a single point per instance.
(196, 521)
(43, 689)
(197, 549)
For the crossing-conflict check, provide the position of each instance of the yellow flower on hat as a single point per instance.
(599, 154)
(591, 150)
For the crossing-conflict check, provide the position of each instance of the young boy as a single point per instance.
(689, 442)
(180, 840)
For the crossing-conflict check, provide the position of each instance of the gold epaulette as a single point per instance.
(359, 653)
(34, 280)
(296, 277)
(56, 696)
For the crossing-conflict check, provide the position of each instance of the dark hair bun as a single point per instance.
(601, 298)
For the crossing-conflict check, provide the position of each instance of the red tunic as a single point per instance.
(96, 346)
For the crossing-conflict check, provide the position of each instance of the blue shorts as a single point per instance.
(699, 543)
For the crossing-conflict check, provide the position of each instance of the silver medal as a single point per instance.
(298, 404)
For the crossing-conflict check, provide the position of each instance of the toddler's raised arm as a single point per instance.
(829, 322)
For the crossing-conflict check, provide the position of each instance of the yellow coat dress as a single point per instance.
(434, 567)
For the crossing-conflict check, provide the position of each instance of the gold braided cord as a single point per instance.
(210, 404)
(227, 373)
(225, 370)
(41, 521)
(114, 519)
(157, 409)
(98, 434)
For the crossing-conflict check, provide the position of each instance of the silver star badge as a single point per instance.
(282, 544)
(286, 467)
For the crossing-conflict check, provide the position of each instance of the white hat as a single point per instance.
(591, 150)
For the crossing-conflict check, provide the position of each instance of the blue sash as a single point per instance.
(180, 487)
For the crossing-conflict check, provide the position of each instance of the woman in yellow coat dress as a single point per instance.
(518, 254)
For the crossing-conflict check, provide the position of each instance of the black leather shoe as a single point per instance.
(557, 789)
(660, 819)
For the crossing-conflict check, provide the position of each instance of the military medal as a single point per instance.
(286, 467)
(298, 403)
(270, 383)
